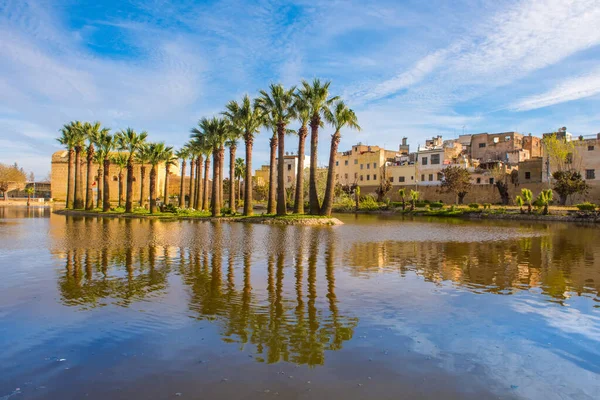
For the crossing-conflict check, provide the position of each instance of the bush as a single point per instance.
(487, 206)
(587, 206)
(170, 208)
(368, 203)
(474, 206)
(436, 205)
(420, 204)
(345, 203)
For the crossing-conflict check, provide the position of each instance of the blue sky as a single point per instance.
(408, 68)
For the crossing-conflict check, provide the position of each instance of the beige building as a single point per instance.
(59, 178)
(508, 147)
(290, 168)
(362, 164)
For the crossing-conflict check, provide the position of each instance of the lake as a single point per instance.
(381, 307)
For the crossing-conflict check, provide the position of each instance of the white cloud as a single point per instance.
(571, 89)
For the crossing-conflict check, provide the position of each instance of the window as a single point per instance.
(491, 181)
(336, 163)
(527, 175)
(337, 176)
(496, 139)
(424, 160)
(481, 145)
(478, 180)
(430, 177)
(391, 179)
(355, 162)
(361, 177)
(345, 176)
(290, 166)
(412, 178)
(439, 176)
(368, 177)
(507, 138)
(368, 165)
(346, 162)
(115, 178)
(374, 165)
(133, 179)
(374, 177)
(422, 177)
(289, 178)
(401, 179)
(361, 166)
(355, 175)
(590, 148)
(590, 174)
(435, 159)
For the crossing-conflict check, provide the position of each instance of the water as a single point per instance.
(379, 308)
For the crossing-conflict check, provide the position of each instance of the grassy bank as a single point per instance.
(290, 219)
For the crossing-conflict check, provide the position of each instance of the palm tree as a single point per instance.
(30, 192)
(67, 139)
(78, 142)
(91, 132)
(120, 160)
(142, 157)
(248, 118)
(240, 167)
(544, 199)
(339, 117)
(414, 197)
(192, 155)
(272, 196)
(527, 197)
(402, 195)
(170, 159)
(278, 104)
(202, 148)
(317, 96)
(106, 144)
(302, 106)
(182, 154)
(158, 154)
(98, 159)
(130, 141)
(520, 202)
(234, 133)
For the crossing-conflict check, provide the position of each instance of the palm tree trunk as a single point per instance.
(129, 194)
(106, 182)
(121, 188)
(313, 198)
(166, 194)
(142, 181)
(299, 198)
(221, 171)
(99, 187)
(271, 201)
(216, 209)
(70, 179)
(281, 206)
(77, 190)
(248, 209)
(205, 205)
(192, 183)
(328, 201)
(89, 185)
(28, 199)
(181, 188)
(199, 184)
(153, 189)
(232, 196)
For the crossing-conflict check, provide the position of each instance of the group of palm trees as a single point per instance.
(310, 105)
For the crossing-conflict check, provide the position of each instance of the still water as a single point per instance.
(380, 308)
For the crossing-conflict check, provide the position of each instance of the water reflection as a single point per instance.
(276, 317)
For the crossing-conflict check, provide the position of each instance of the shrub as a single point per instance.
(474, 206)
(436, 204)
(170, 208)
(487, 206)
(587, 206)
(368, 203)
(345, 203)
(420, 204)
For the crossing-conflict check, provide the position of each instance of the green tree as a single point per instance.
(142, 157)
(318, 99)
(105, 145)
(567, 183)
(303, 114)
(278, 103)
(91, 132)
(519, 201)
(414, 197)
(402, 195)
(120, 160)
(456, 180)
(341, 116)
(182, 154)
(159, 153)
(68, 140)
(240, 167)
(78, 146)
(527, 198)
(130, 141)
(11, 175)
(249, 119)
(170, 159)
(30, 190)
(544, 199)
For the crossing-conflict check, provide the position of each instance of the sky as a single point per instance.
(408, 68)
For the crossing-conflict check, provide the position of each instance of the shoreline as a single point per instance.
(305, 220)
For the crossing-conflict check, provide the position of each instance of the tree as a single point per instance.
(457, 180)
(11, 175)
(317, 96)
(302, 107)
(159, 153)
(402, 195)
(98, 159)
(120, 160)
(519, 200)
(240, 167)
(527, 198)
(544, 199)
(130, 141)
(182, 154)
(249, 119)
(500, 180)
(234, 135)
(142, 157)
(341, 116)
(202, 148)
(414, 197)
(91, 132)
(78, 142)
(278, 104)
(106, 144)
(67, 139)
(30, 192)
(567, 183)
(169, 159)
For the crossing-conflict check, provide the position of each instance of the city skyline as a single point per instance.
(406, 69)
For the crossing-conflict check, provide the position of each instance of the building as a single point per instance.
(41, 190)
(59, 177)
(290, 168)
(508, 147)
(362, 164)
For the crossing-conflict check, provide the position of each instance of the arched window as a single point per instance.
(115, 178)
